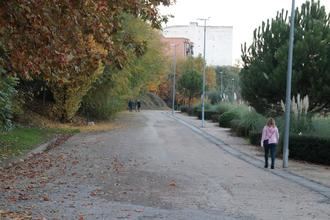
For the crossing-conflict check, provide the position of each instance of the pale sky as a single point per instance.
(243, 15)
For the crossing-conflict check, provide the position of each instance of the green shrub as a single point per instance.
(224, 107)
(240, 129)
(250, 121)
(302, 147)
(215, 117)
(227, 117)
(235, 112)
(310, 148)
(207, 114)
(214, 96)
(321, 127)
(198, 107)
(7, 93)
(184, 108)
(255, 137)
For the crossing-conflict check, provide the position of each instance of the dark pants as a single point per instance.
(272, 149)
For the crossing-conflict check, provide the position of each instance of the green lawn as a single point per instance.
(22, 139)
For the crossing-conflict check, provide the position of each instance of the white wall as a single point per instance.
(219, 41)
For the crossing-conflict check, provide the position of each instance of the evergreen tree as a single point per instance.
(263, 77)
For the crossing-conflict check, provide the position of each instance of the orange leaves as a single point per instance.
(58, 25)
(64, 43)
(172, 183)
(15, 215)
(95, 47)
(102, 6)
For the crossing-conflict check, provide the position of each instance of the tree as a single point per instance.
(190, 84)
(183, 66)
(263, 77)
(230, 80)
(111, 91)
(7, 93)
(67, 43)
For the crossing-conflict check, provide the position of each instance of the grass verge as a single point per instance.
(22, 139)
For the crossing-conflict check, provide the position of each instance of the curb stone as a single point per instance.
(19, 159)
(285, 174)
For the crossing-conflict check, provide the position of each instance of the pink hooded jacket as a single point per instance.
(271, 134)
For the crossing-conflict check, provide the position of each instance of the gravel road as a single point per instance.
(151, 168)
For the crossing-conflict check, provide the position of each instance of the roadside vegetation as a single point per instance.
(309, 144)
(260, 89)
(55, 77)
(22, 139)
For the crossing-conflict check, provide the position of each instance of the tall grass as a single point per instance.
(252, 120)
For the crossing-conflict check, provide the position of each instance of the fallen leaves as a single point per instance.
(96, 192)
(172, 183)
(75, 162)
(21, 181)
(117, 166)
(45, 197)
(15, 215)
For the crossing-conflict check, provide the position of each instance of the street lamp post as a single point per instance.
(288, 91)
(221, 85)
(233, 87)
(174, 73)
(204, 70)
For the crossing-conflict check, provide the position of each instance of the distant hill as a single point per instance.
(151, 101)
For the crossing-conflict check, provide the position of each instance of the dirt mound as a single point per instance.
(151, 101)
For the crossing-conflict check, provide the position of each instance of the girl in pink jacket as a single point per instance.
(269, 140)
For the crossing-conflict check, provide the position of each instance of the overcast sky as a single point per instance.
(243, 15)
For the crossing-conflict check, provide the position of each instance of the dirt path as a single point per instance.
(150, 168)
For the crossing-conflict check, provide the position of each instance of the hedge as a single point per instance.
(255, 137)
(187, 109)
(307, 148)
(239, 128)
(207, 114)
(227, 117)
(184, 108)
(215, 117)
(310, 148)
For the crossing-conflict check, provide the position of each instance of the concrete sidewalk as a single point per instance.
(318, 174)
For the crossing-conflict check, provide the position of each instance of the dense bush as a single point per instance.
(235, 112)
(195, 111)
(321, 126)
(302, 147)
(249, 121)
(255, 137)
(184, 108)
(215, 117)
(214, 96)
(227, 117)
(224, 107)
(239, 128)
(208, 114)
(310, 148)
(7, 92)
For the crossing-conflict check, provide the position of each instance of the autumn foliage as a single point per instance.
(66, 43)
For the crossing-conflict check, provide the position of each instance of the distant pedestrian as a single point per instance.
(130, 105)
(138, 103)
(269, 140)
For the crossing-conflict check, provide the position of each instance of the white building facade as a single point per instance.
(219, 41)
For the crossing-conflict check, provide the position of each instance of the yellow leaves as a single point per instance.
(95, 47)
(210, 77)
(152, 87)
